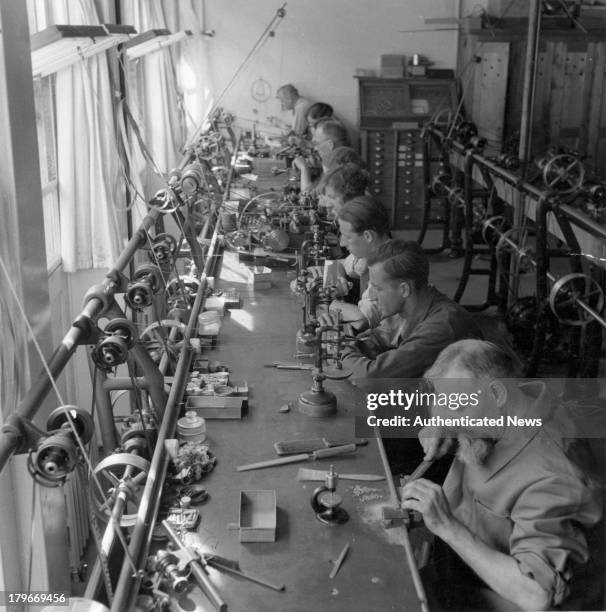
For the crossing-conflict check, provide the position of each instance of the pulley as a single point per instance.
(110, 353)
(122, 474)
(181, 293)
(596, 192)
(573, 296)
(509, 161)
(139, 295)
(163, 249)
(441, 185)
(563, 173)
(57, 454)
(151, 274)
(55, 457)
(511, 241)
(275, 240)
(521, 321)
(166, 564)
(81, 420)
(493, 228)
(165, 200)
(192, 178)
(441, 182)
(123, 328)
(164, 337)
(147, 280)
(112, 350)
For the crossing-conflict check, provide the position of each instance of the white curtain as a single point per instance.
(168, 90)
(91, 192)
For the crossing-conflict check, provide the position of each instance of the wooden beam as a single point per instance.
(22, 247)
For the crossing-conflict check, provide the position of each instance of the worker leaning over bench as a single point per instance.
(430, 321)
(518, 500)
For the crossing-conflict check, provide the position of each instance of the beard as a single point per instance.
(473, 451)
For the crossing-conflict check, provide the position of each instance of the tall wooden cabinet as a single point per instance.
(392, 112)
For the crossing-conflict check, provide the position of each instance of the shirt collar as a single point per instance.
(513, 442)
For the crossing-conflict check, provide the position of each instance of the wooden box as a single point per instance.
(216, 407)
(258, 516)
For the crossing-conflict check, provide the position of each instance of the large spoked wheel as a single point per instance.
(563, 174)
(122, 474)
(164, 339)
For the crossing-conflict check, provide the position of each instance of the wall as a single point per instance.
(318, 47)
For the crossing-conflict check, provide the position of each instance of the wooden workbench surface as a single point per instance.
(375, 575)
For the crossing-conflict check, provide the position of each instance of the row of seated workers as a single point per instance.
(516, 515)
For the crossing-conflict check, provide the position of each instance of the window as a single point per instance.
(45, 123)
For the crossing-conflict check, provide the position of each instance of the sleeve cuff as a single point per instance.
(554, 583)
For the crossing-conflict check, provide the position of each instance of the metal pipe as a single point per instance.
(29, 405)
(128, 585)
(395, 500)
(534, 27)
(582, 221)
(105, 414)
(506, 175)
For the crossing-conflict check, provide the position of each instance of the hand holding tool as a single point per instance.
(395, 499)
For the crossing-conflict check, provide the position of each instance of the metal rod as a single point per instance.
(128, 586)
(534, 27)
(29, 405)
(199, 572)
(410, 558)
(105, 414)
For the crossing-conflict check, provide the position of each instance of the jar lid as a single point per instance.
(191, 422)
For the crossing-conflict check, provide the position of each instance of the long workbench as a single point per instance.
(375, 574)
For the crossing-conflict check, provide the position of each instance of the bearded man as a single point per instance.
(513, 515)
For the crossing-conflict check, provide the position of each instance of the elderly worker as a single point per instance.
(515, 505)
(291, 101)
(398, 274)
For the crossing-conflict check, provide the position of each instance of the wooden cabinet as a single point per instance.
(570, 89)
(392, 112)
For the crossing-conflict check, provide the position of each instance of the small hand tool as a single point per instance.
(394, 516)
(339, 561)
(292, 447)
(289, 365)
(319, 454)
(233, 567)
(307, 474)
(196, 565)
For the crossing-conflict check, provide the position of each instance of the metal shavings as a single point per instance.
(365, 494)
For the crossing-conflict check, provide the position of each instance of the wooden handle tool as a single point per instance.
(319, 454)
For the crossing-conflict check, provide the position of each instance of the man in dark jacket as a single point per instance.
(398, 273)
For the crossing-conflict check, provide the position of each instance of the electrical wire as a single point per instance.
(51, 378)
(267, 33)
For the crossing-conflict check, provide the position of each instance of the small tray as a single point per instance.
(258, 516)
(216, 407)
